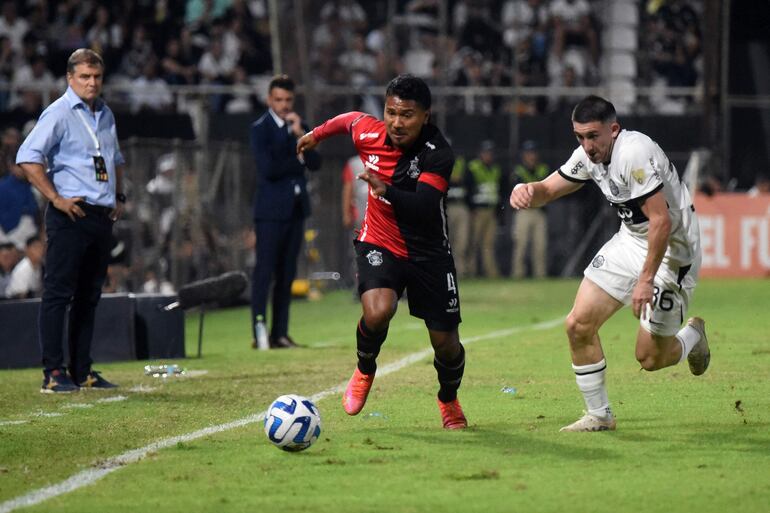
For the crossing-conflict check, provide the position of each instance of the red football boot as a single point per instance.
(354, 398)
(452, 414)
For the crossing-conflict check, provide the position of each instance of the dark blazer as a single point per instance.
(279, 171)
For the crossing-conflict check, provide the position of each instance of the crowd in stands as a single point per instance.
(151, 45)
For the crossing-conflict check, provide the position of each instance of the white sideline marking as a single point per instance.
(12, 422)
(91, 475)
(72, 406)
(113, 399)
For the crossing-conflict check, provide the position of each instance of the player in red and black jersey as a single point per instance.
(403, 241)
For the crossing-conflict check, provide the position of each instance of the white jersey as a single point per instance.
(638, 169)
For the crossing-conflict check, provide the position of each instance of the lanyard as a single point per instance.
(90, 131)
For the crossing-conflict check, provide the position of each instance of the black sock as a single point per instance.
(368, 346)
(450, 374)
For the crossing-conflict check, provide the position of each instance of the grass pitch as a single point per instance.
(683, 443)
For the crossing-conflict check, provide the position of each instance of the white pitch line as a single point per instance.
(91, 475)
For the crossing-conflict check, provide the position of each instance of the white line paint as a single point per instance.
(73, 406)
(92, 475)
(113, 399)
(12, 422)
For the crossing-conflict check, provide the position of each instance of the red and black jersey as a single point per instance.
(410, 219)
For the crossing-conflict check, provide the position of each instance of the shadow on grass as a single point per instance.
(513, 443)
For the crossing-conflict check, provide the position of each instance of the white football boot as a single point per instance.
(700, 355)
(588, 423)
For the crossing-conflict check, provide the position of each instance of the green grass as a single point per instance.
(682, 444)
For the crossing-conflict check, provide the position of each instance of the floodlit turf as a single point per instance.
(683, 443)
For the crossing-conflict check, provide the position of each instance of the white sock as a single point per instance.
(688, 337)
(590, 381)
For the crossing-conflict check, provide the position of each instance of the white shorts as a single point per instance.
(616, 267)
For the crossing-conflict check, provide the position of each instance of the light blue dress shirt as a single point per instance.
(61, 142)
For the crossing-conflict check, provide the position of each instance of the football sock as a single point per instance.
(368, 346)
(590, 381)
(687, 337)
(450, 374)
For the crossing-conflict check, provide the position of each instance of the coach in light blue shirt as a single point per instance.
(75, 140)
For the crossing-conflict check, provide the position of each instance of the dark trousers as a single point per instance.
(76, 261)
(278, 245)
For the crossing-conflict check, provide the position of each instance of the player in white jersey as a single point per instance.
(652, 262)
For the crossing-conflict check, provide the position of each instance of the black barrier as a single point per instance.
(127, 327)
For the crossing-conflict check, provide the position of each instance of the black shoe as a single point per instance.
(283, 342)
(57, 382)
(95, 381)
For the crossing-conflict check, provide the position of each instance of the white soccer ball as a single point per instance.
(292, 422)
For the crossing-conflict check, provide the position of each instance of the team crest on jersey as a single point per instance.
(374, 257)
(414, 171)
(430, 145)
(638, 175)
(614, 188)
(598, 261)
(368, 135)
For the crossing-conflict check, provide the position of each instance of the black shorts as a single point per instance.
(431, 285)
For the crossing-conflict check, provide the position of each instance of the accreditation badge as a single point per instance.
(101, 169)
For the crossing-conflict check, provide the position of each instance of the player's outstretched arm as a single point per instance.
(537, 194)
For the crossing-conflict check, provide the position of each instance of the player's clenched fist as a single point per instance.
(306, 142)
(521, 195)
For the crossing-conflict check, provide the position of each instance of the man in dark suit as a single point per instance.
(280, 207)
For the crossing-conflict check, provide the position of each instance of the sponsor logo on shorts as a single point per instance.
(598, 261)
(374, 257)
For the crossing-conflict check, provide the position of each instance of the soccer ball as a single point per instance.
(292, 423)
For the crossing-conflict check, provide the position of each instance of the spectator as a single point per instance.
(8, 259)
(138, 53)
(9, 62)
(572, 27)
(176, 68)
(23, 116)
(104, 36)
(150, 92)
(35, 73)
(350, 14)
(355, 193)
(526, 21)
(483, 181)
(530, 225)
(18, 208)
(761, 186)
(358, 63)
(216, 68)
(12, 26)
(27, 277)
(459, 216)
(242, 99)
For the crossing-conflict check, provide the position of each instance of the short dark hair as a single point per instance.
(593, 108)
(409, 87)
(84, 56)
(7, 245)
(281, 82)
(33, 239)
